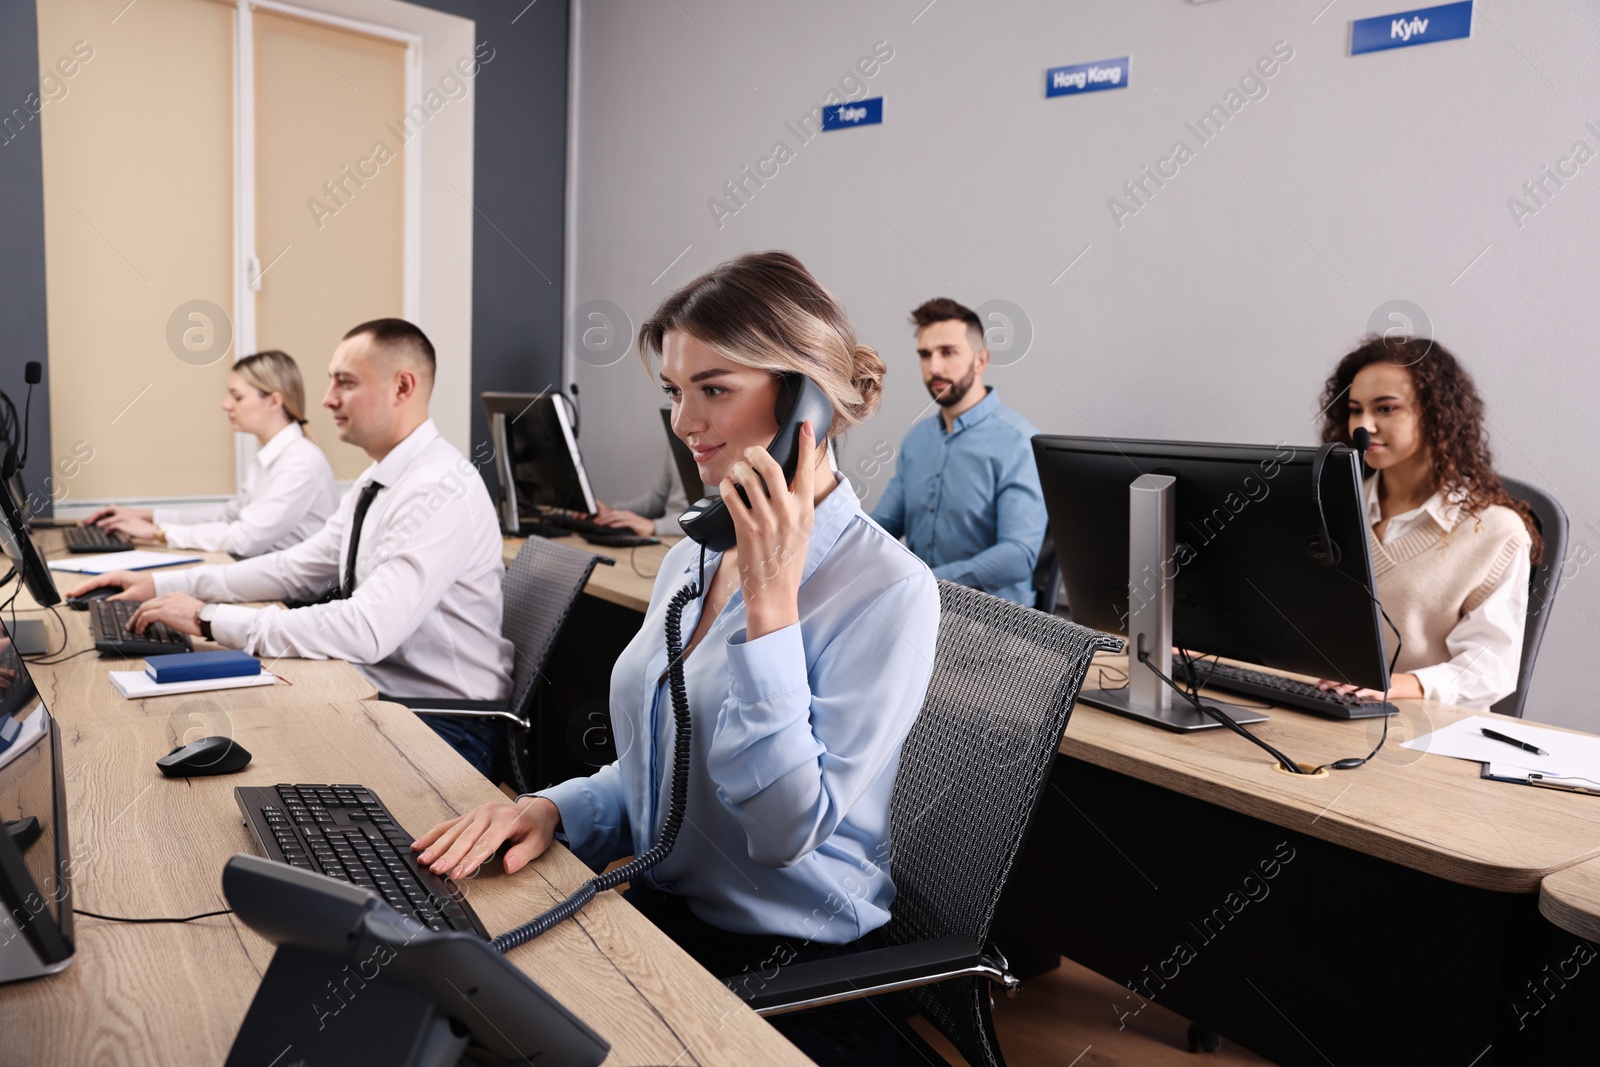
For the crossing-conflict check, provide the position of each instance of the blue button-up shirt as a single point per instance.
(796, 742)
(967, 501)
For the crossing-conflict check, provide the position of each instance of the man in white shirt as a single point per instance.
(411, 558)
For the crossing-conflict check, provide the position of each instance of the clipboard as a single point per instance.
(1501, 772)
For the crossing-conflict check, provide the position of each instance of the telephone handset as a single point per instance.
(799, 400)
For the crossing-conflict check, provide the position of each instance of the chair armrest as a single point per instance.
(482, 709)
(864, 974)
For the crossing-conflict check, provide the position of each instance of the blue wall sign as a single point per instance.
(1086, 77)
(1406, 28)
(860, 113)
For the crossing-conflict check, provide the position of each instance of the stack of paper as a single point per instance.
(135, 685)
(1570, 755)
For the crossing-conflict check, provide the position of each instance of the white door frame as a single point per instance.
(432, 213)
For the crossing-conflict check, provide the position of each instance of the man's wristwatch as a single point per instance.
(206, 613)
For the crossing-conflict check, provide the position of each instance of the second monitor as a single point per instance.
(1224, 549)
(536, 457)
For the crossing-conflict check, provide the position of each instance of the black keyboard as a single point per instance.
(108, 622)
(1289, 692)
(345, 832)
(94, 539)
(618, 539)
(576, 523)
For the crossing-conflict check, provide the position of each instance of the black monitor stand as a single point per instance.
(1152, 550)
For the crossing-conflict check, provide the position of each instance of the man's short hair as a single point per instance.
(401, 338)
(943, 309)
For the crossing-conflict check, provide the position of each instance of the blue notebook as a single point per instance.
(199, 666)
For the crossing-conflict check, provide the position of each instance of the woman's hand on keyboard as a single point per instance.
(458, 847)
(1401, 687)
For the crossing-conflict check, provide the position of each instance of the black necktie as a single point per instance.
(364, 502)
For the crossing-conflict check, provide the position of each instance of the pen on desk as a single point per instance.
(1535, 749)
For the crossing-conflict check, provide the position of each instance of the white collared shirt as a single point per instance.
(287, 496)
(1486, 644)
(424, 620)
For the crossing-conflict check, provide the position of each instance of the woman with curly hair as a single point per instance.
(1451, 551)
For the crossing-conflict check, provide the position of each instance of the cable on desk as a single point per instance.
(63, 659)
(121, 919)
(633, 562)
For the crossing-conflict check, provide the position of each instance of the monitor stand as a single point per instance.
(29, 637)
(1152, 548)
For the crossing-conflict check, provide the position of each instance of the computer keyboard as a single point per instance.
(594, 533)
(618, 539)
(571, 520)
(108, 622)
(345, 832)
(1292, 693)
(94, 539)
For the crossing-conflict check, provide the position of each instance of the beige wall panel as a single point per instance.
(325, 102)
(138, 168)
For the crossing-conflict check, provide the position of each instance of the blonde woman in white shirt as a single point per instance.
(1451, 550)
(289, 492)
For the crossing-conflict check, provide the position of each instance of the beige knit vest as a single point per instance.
(1429, 579)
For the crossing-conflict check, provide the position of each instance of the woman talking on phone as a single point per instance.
(289, 492)
(1451, 549)
(807, 658)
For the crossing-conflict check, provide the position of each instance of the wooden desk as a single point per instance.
(81, 683)
(1403, 807)
(175, 994)
(1571, 898)
(1407, 889)
(627, 583)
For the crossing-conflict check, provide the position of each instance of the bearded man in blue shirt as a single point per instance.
(965, 492)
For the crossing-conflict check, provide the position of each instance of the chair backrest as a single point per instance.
(541, 585)
(1543, 584)
(971, 774)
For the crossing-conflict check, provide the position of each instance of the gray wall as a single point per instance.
(22, 233)
(1215, 312)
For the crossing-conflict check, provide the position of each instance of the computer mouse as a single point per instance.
(99, 592)
(209, 755)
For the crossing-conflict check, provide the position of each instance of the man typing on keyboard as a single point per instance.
(404, 580)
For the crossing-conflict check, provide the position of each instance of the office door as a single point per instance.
(329, 195)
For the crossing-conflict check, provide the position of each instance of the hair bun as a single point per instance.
(866, 375)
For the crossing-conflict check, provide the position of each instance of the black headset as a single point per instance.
(1323, 549)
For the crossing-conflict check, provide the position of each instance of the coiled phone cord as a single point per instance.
(675, 810)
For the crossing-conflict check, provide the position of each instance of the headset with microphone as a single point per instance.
(15, 443)
(1324, 550)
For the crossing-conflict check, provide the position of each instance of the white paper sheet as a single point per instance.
(1571, 755)
(103, 562)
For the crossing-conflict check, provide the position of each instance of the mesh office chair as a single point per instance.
(1543, 584)
(541, 585)
(971, 774)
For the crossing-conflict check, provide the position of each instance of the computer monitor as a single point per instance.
(1214, 548)
(536, 457)
(683, 458)
(35, 858)
(19, 548)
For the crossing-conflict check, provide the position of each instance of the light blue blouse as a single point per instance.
(797, 739)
